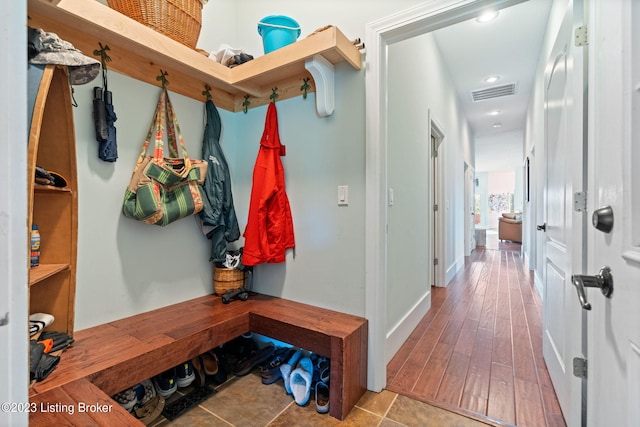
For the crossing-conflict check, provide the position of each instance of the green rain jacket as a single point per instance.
(218, 217)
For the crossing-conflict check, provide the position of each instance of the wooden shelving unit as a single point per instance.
(52, 284)
(140, 52)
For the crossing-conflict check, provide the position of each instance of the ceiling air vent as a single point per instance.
(493, 92)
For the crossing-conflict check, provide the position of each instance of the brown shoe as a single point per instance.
(151, 410)
(198, 369)
(210, 363)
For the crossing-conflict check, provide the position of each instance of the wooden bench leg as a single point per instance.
(348, 372)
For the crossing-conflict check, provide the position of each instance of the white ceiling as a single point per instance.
(508, 46)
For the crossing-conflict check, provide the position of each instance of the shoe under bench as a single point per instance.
(109, 358)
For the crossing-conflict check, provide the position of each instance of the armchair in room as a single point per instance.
(510, 227)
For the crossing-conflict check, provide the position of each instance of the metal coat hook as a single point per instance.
(207, 92)
(102, 53)
(162, 77)
(305, 87)
(104, 58)
(245, 104)
(274, 94)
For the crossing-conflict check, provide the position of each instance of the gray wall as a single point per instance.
(416, 90)
(125, 267)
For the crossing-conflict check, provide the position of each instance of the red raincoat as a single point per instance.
(269, 231)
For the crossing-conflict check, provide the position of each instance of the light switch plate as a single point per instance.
(343, 195)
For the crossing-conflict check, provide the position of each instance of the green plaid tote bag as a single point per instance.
(164, 189)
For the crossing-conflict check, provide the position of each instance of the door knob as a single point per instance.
(542, 227)
(602, 280)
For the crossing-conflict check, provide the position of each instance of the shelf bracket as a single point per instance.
(322, 72)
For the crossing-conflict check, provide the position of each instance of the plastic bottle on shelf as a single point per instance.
(35, 246)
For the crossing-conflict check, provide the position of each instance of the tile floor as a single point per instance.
(246, 402)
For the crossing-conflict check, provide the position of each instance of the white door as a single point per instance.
(562, 317)
(469, 208)
(614, 144)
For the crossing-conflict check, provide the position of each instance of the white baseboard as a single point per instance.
(453, 270)
(537, 280)
(401, 331)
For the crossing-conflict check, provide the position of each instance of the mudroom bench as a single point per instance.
(109, 358)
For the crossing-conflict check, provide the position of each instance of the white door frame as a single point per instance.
(13, 213)
(437, 196)
(379, 35)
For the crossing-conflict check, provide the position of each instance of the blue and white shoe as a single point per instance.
(145, 391)
(185, 374)
(300, 381)
(166, 383)
(126, 398)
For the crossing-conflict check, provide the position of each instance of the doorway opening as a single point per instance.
(381, 35)
(439, 217)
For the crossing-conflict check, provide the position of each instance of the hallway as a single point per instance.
(479, 348)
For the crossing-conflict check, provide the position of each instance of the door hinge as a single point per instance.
(580, 201)
(582, 36)
(435, 261)
(579, 367)
(435, 208)
(4, 320)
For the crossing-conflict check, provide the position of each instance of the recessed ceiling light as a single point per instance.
(495, 112)
(492, 79)
(487, 16)
(497, 125)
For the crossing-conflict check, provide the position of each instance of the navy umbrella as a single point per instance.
(108, 150)
(104, 115)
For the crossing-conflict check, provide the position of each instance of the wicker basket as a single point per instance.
(179, 19)
(227, 279)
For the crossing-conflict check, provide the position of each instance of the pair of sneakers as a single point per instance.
(142, 401)
(169, 381)
(136, 396)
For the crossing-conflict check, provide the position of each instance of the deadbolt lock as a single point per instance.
(602, 219)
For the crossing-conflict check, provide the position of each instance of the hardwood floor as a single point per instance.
(479, 348)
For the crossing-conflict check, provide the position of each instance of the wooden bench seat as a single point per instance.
(61, 406)
(120, 354)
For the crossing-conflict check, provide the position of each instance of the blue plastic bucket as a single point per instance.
(277, 31)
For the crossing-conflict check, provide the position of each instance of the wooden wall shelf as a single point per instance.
(140, 52)
(44, 271)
